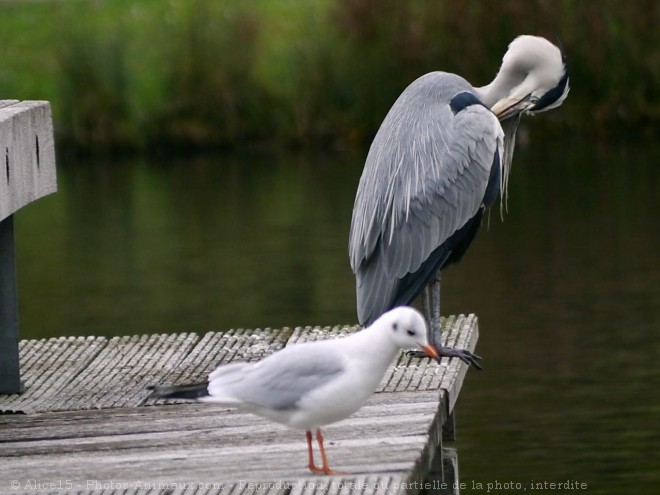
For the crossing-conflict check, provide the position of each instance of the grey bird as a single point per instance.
(439, 160)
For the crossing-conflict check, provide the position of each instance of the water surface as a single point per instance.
(567, 288)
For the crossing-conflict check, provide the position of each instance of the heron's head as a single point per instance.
(534, 77)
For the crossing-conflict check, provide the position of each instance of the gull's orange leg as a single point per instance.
(326, 468)
(310, 451)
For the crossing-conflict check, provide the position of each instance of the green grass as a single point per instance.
(206, 74)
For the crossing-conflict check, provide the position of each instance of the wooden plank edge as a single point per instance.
(469, 341)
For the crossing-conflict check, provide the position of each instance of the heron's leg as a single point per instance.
(435, 336)
(426, 307)
(431, 307)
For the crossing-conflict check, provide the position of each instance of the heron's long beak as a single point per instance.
(507, 107)
(431, 351)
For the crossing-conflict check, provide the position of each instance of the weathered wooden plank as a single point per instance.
(48, 366)
(464, 334)
(118, 375)
(217, 348)
(87, 373)
(382, 484)
(204, 443)
(68, 374)
(233, 345)
(27, 154)
(183, 417)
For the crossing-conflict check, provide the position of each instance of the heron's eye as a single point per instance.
(410, 332)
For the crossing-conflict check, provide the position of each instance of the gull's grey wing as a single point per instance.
(425, 178)
(282, 379)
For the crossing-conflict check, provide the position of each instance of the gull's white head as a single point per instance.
(533, 78)
(407, 329)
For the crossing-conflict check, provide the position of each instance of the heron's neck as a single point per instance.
(501, 87)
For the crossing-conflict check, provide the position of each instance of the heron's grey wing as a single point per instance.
(424, 178)
(283, 378)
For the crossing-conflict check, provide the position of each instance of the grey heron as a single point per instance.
(438, 161)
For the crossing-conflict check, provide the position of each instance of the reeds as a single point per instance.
(208, 74)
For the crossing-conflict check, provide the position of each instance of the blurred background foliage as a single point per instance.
(182, 74)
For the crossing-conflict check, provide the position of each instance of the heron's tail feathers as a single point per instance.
(188, 391)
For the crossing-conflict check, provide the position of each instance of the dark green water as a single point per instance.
(567, 289)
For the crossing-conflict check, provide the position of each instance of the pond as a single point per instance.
(567, 287)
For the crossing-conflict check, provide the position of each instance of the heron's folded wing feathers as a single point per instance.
(425, 177)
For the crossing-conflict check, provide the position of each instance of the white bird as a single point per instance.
(309, 385)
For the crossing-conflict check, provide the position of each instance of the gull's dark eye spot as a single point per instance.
(410, 332)
(395, 327)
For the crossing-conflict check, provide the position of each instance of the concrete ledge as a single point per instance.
(27, 154)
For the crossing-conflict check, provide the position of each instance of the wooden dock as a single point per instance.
(85, 425)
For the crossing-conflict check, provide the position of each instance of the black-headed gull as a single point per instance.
(309, 385)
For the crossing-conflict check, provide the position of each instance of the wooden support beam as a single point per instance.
(10, 381)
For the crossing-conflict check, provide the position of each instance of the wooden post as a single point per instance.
(27, 173)
(10, 381)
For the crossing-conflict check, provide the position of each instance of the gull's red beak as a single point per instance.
(431, 351)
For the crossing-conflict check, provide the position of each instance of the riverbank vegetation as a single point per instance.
(153, 74)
